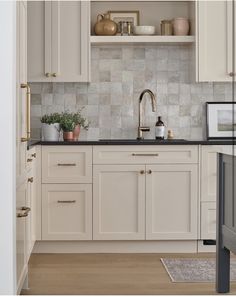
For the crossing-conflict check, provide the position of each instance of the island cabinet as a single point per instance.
(215, 41)
(145, 193)
(58, 41)
(67, 193)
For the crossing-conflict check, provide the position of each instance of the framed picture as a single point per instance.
(221, 120)
(125, 16)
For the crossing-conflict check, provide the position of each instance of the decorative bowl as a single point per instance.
(144, 30)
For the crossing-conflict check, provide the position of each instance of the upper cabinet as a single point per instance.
(58, 41)
(215, 41)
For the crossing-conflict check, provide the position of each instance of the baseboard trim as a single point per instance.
(186, 246)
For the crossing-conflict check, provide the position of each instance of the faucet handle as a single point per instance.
(145, 129)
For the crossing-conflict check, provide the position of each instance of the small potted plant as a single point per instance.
(68, 126)
(80, 121)
(51, 126)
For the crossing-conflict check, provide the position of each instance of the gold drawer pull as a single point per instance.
(22, 215)
(33, 155)
(30, 180)
(28, 105)
(29, 160)
(145, 155)
(26, 208)
(142, 171)
(66, 164)
(66, 201)
(47, 74)
(149, 171)
(231, 74)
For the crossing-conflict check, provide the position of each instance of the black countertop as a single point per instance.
(139, 142)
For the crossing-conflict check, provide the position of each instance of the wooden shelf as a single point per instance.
(154, 39)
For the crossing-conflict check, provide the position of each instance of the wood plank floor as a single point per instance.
(113, 274)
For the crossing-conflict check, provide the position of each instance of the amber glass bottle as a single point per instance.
(160, 129)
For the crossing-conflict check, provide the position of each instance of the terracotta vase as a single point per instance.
(181, 26)
(104, 25)
(68, 136)
(76, 132)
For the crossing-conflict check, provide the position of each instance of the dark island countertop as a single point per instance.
(139, 142)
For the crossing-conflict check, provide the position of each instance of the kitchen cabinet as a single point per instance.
(171, 201)
(153, 196)
(58, 41)
(208, 220)
(214, 41)
(118, 202)
(67, 212)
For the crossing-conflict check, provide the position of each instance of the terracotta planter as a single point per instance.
(76, 132)
(68, 136)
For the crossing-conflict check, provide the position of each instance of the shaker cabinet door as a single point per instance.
(118, 202)
(171, 202)
(58, 43)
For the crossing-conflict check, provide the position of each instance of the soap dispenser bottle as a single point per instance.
(160, 129)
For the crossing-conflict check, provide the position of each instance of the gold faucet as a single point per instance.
(142, 129)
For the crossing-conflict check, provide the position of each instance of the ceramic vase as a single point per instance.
(104, 25)
(76, 132)
(181, 26)
(51, 132)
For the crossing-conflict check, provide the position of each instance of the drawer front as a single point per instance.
(67, 164)
(66, 212)
(208, 220)
(143, 154)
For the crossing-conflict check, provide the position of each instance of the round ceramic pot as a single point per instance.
(181, 26)
(76, 132)
(51, 132)
(104, 25)
(68, 136)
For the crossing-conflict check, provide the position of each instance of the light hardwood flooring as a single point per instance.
(112, 274)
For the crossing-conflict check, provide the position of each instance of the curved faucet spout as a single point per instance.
(141, 128)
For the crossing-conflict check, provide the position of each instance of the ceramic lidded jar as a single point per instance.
(181, 26)
(104, 25)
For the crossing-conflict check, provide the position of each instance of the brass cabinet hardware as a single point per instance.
(66, 201)
(54, 74)
(28, 103)
(66, 164)
(30, 179)
(231, 74)
(29, 160)
(26, 208)
(145, 155)
(47, 74)
(22, 215)
(149, 171)
(142, 171)
(33, 155)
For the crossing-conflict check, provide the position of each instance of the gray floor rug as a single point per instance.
(194, 270)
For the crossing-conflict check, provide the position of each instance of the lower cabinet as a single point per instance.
(208, 220)
(164, 198)
(118, 202)
(171, 201)
(66, 211)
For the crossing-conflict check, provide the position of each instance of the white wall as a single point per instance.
(7, 147)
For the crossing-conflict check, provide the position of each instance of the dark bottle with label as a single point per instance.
(160, 129)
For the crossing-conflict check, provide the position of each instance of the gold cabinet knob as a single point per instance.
(149, 171)
(33, 155)
(142, 171)
(47, 74)
(231, 74)
(54, 74)
(30, 179)
(29, 160)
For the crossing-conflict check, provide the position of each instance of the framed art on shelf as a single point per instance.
(221, 120)
(125, 16)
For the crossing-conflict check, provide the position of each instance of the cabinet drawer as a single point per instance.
(66, 212)
(144, 154)
(208, 220)
(66, 164)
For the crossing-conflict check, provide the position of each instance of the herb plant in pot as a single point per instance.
(51, 127)
(68, 126)
(80, 122)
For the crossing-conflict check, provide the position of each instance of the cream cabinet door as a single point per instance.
(59, 41)
(21, 60)
(118, 202)
(214, 40)
(171, 201)
(208, 220)
(66, 212)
